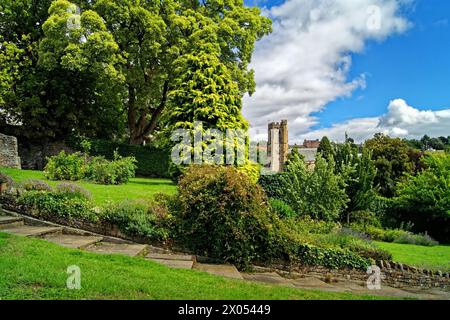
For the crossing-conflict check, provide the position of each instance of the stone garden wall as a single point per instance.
(393, 274)
(9, 152)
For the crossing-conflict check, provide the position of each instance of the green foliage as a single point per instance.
(71, 167)
(292, 246)
(356, 245)
(282, 209)
(151, 161)
(326, 149)
(252, 170)
(273, 185)
(319, 193)
(394, 235)
(424, 199)
(223, 214)
(73, 190)
(393, 160)
(35, 185)
(150, 221)
(118, 171)
(58, 205)
(307, 225)
(75, 166)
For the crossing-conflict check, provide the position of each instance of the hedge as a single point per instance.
(152, 162)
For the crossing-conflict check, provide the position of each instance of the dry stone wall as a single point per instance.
(393, 274)
(9, 156)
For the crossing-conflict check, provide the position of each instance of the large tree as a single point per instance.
(392, 158)
(153, 36)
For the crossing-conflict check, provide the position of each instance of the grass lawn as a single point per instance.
(137, 188)
(36, 269)
(435, 258)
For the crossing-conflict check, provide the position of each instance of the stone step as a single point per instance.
(223, 270)
(271, 278)
(175, 264)
(73, 241)
(8, 222)
(132, 250)
(164, 256)
(32, 231)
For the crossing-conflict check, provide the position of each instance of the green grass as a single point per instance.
(434, 258)
(36, 269)
(137, 188)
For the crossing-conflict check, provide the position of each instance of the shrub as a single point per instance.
(291, 246)
(272, 185)
(73, 190)
(118, 171)
(151, 161)
(64, 166)
(75, 167)
(252, 170)
(394, 235)
(282, 209)
(319, 193)
(35, 185)
(306, 225)
(365, 217)
(221, 213)
(417, 239)
(139, 218)
(58, 205)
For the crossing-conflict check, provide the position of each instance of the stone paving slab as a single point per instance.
(271, 278)
(73, 241)
(31, 231)
(118, 248)
(163, 256)
(8, 222)
(176, 264)
(223, 270)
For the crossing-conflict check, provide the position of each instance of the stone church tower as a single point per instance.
(278, 145)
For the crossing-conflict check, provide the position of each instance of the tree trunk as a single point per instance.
(141, 128)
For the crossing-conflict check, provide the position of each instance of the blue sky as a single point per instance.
(414, 66)
(411, 64)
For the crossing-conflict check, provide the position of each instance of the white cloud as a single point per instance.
(401, 120)
(304, 63)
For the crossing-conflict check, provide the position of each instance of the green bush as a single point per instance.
(74, 167)
(71, 167)
(221, 213)
(282, 209)
(118, 171)
(272, 185)
(139, 218)
(35, 185)
(73, 191)
(58, 205)
(292, 247)
(394, 235)
(151, 161)
(307, 225)
(252, 170)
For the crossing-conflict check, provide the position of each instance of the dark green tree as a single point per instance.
(325, 148)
